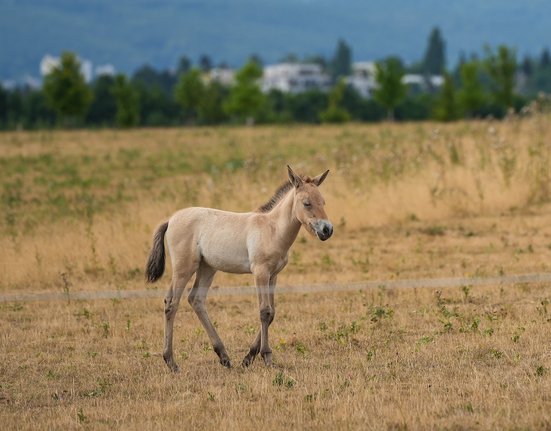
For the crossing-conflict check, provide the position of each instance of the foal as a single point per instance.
(202, 241)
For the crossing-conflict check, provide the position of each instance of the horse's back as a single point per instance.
(215, 236)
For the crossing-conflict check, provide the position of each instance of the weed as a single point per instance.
(344, 332)
(379, 313)
(83, 312)
(427, 339)
(81, 416)
(300, 347)
(52, 375)
(433, 230)
(448, 326)
(466, 292)
(106, 328)
(540, 370)
(283, 381)
(16, 306)
(101, 388)
(543, 309)
(475, 324)
(326, 261)
(495, 353)
(66, 286)
(240, 388)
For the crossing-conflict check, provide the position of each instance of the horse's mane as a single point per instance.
(279, 194)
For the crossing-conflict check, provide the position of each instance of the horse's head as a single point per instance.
(309, 204)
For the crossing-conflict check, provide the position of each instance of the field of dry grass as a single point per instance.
(407, 201)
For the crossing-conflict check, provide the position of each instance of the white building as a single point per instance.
(295, 78)
(422, 82)
(363, 78)
(105, 70)
(222, 75)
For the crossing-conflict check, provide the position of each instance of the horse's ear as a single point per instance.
(320, 178)
(294, 178)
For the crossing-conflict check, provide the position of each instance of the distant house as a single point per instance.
(105, 70)
(295, 78)
(364, 82)
(423, 82)
(222, 75)
(363, 78)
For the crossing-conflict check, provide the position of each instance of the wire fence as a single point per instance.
(429, 283)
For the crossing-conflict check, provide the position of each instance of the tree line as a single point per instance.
(484, 85)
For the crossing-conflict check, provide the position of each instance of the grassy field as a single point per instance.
(407, 201)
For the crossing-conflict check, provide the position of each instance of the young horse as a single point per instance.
(205, 240)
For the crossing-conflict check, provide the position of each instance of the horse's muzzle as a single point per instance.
(323, 229)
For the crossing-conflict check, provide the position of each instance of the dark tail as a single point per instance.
(156, 261)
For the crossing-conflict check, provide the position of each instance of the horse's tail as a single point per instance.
(156, 260)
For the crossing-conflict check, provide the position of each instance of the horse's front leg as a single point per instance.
(256, 347)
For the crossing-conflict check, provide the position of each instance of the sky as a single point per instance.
(130, 33)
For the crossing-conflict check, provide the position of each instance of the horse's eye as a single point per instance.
(307, 205)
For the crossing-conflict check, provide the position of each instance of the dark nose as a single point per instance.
(326, 232)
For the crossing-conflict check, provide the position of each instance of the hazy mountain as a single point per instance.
(129, 33)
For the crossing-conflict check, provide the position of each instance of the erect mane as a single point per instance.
(279, 194)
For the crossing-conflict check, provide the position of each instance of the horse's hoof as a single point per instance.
(173, 366)
(267, 359)
(247, 361)
(225, 362)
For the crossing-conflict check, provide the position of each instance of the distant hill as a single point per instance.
(130, 33)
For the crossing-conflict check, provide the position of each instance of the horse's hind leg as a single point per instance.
(196, 298)
(172, 301)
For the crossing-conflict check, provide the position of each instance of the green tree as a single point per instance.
(184, 66)
(305, 107)
(36, 113)
(210, 109)
(502, 67)
(335, 112)
(152, 80)
(341, 65)
(390, 89)
(3, 107)
(15, 108)
(545, 59)
(471, 95)
(245, 100)
(128, 103)
(434, 60)
(66, 91)
(103, 109)
(205, 63)
(446, 103)
(189, 93)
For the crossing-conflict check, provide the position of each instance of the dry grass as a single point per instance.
(408, 201)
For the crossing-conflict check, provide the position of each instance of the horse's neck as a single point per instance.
(287, 225)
